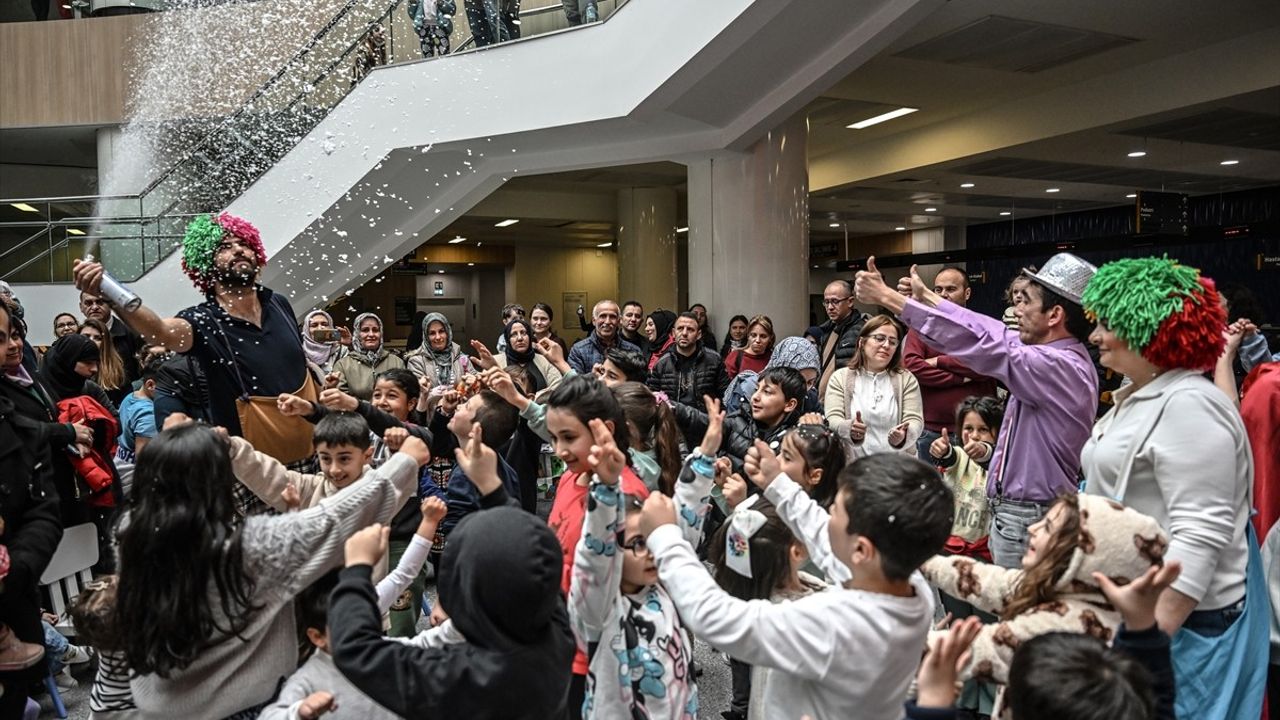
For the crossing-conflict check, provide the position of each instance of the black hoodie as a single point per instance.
(500, 584)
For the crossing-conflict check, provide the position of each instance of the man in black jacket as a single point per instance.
(688, 371)
(840, 332)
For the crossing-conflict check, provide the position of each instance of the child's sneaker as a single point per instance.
(16, 654)
(64, 679)
(77, 654)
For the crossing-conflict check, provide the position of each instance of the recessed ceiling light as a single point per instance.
(506, 223)
(882, 118)
(73, 231)
(900, 228)
(1006, 212)
(23, 207)
(931, 209)
(457, 240)
(1138, 153)
(604, 245)
(1229, 162)
(1053, 190)
(966, 185)
(682, 229)
(836, 225)
(1132, 195)
(440, 271)
(471, 264)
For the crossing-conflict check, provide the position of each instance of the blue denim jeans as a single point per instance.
(55, 646)
(1009, 522)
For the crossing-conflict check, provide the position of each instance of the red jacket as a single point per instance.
(95, 466)
(1260, 410)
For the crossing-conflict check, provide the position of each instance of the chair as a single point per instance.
(67, 573)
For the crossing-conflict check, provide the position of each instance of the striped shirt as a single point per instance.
(111, 691)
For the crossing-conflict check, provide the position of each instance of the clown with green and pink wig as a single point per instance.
(202, 239)
(1165, 311)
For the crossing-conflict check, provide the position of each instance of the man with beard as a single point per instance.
(244, 335)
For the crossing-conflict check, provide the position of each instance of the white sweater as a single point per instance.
(838, 654)
(1177, 450)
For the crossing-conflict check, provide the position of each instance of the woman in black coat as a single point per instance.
(29, 511)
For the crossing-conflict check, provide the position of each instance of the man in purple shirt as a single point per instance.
(1053, 387)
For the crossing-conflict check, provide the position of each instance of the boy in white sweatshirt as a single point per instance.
(849, 652)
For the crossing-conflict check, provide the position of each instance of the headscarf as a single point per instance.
(317, 352)
(443, 359)
(524, 359)
(663, 321)
(1165, 311)
(200, 244)
(358, 347)
(794, 352)
(58, 373)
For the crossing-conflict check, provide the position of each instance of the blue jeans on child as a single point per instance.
(55, 646)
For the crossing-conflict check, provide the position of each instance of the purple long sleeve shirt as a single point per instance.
(1053, 394)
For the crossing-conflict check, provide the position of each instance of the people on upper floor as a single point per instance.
(688, 371)
(873, 405)
(944, 382)
(358, 369)
(1052, 384)
(1161, 324)
(736, 337)
(755, 352)
(840, 331)
(657, 330)
(591, 350)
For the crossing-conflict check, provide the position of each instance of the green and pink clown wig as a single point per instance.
(200, 244)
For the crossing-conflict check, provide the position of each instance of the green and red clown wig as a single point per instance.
(1165, 311)
(200, 245)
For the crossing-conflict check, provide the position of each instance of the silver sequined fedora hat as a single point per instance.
(1064, 274)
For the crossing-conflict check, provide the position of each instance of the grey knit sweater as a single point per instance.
(283, 554)
(319, 674)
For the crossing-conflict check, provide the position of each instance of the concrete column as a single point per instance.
(749, 231)
(647, 257)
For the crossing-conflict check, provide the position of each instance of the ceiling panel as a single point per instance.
(1220, 126)
(1013, 45)
(1032, 169)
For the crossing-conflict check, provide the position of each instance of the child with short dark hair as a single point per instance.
(92, 614)
(775, 408)
(451, 426)
(850, 652)
(389, 413)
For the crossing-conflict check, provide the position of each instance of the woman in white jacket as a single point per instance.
(874, 404)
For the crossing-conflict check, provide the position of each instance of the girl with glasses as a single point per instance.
(874, 404)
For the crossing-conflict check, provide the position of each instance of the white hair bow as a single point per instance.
(743, 523)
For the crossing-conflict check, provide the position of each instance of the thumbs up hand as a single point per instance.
(868, 285)
(941, 447)
(912, 286)
(857, 429)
